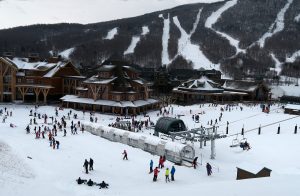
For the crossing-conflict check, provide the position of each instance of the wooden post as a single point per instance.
(37, 93)
(45, 92)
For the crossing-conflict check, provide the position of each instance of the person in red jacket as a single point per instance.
(155, 172)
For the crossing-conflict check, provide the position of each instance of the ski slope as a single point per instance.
(277, 26)
(135, 40)
(111, 34)
(214, 17)
(53, 172)
(189, 51)
(165, 40)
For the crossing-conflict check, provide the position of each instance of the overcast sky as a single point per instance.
(25, 12)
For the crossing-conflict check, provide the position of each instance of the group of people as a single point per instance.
(88, 165)
(155, 172)
(89, 182)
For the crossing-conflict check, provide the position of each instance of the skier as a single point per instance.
(167, 173)
(208, 169)
(161, 162)
(91, 164)
(57, 144)
(172, 173)
(195, 162)
(85, 165)
(155, 172)
(151, 166)
(125, 155)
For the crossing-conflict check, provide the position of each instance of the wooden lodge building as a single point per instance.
(206, 90)
(32, 79)
(114, 89)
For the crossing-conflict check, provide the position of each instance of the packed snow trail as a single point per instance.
(277, 26)
(165, 40)
(214, 17)
(278, 64)
(188, 50)
(294, 57)
(111, 34)
(135, 40)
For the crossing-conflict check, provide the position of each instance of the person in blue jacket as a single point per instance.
(172, 173)
(151, 167)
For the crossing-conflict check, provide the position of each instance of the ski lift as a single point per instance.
(235, 143)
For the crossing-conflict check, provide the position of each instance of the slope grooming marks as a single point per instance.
(277, 26)
(165, 40)
(188, 50)
(213, 18)
(111, 34)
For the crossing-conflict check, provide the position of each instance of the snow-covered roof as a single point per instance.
(96, 80)
(279, 91)
(24, 63)
(122, 104)
(292, 106)
(250, 167)
(247, 86)
(57, 67)
(200, 85)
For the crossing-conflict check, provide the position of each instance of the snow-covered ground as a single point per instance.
(111, 34)
(277, 26)
(66, 53)
(189, 51)
(297, 18)
(53, 172)
(293, 57)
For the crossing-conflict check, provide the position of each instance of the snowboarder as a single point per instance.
(172, 173)
(208, 169)
(155, 172)
(167, 173)
(85, 165)
(151, 167)
(91, 164)
(125, 155)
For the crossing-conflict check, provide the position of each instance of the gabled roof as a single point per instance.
(200, 85)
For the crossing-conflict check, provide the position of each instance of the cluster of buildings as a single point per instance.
(116, 88)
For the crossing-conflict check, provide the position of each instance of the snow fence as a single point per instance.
(174, 152)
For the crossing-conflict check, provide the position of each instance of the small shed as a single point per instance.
(292, 109)
(166, 125)
(252, 172)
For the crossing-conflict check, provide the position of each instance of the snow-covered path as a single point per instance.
(53, 172)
